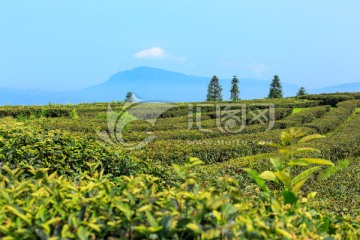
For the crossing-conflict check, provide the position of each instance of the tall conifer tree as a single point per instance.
(129, 97)
(234, 92)
(301, 92)
(214, 90)
(275, 88)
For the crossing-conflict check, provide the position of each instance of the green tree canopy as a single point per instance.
(301, 92)
(234, 92)
(214, 90)
(129, 97)
(275, 88)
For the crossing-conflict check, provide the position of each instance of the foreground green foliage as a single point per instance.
(288, 150)
(22, 145)
(93, 205)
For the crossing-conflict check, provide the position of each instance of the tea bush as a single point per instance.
(340, 191)
(193, 134)
(144, 207)
(34, 111)
(344, 142)
(278, 102)
(329, 99)
(58, 151)
(305, 116)
(209, 150)
(334, 118)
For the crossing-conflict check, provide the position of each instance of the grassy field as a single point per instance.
(60, 180)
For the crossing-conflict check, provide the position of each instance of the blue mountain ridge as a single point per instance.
(149, 84)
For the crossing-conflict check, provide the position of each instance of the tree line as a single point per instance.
(214, 92)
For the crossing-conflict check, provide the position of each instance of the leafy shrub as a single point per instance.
(21, 146)
(93, 206)
(283, 166)
(74, 115)
(304, 116)
(329, 99)
(193, 134)
(34, 111)
(343, 143)
(339, 190)
(334, 118)
(209, 150)
(330, 171)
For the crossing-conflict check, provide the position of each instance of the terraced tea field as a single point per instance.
(191, 180)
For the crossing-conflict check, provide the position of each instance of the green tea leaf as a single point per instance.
(307, 149)
(304, 175)
(255, 176)
(310, 138)
(276, 162)
(285, 178)
(19, 214)
(286, 138)
(268, 175)
(82, 233)
(151, 220)
(298, 163)
(194, 228)
(317, 161)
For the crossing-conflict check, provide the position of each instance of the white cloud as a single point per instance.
(154, 52)
(259, 68)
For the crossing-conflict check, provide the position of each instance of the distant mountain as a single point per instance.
(347, 87)
(147, 83)
(162, 85)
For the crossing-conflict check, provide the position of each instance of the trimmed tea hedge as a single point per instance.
(34, 111)
(209, 150)
(329, 99)
(340, 193)
(22, 145)
(304, 116)
(192, 134)
(343, 143)
(278, 102)
(163, 125)
(334, 118)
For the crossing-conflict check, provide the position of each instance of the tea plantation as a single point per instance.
(177, 171)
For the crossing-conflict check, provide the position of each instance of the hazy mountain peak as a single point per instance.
(145, 73)
(151, 83)
(148, 69)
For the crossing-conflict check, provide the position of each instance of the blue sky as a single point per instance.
(67, 44)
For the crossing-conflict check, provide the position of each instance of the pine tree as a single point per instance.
(275, 88)
(301, 92)
(129, 97)
(214, 90)
(234, 92)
